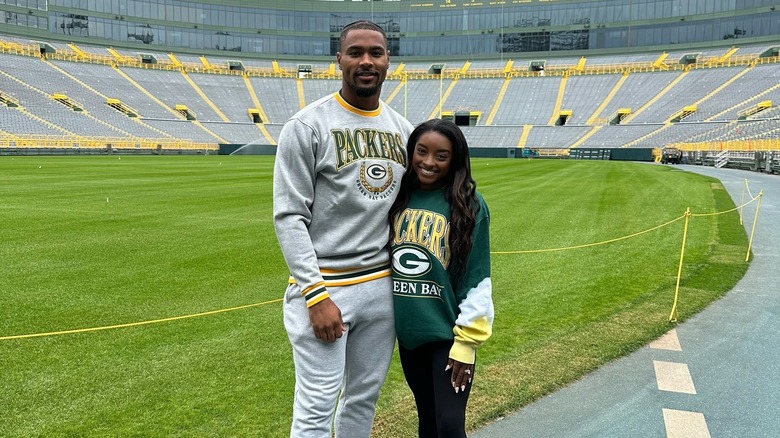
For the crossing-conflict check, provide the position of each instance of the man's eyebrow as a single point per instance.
(362, 47)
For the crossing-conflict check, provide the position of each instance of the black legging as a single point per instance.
(441, 412)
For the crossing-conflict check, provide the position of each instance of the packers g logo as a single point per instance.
(411, 262)
(376, 172)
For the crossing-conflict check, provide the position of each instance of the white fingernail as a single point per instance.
(456, 390)
(447, 368)
(463, 388)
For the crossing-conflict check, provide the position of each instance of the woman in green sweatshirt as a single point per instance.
(440, 247)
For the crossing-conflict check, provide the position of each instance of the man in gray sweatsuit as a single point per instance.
(338, 166)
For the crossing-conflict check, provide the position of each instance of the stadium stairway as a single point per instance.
(655, 98)
(499, 99)
(204, 96)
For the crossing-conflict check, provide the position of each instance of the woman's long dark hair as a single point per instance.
(460, 190)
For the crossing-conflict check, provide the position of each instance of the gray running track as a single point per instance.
(732, 350)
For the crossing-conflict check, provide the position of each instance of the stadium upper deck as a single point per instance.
(86, 97)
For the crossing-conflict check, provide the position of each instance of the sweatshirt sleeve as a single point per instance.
(293, 194)
(474, 323)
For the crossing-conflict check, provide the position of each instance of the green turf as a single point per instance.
(97, 241)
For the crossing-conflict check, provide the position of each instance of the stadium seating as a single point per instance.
(97, 95)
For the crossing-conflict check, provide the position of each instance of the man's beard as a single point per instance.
(365, 91)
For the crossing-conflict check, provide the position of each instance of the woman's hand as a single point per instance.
(462, 373)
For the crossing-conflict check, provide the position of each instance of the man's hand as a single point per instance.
(462, 374)
(326, 320)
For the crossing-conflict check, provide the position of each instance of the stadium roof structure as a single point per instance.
(308, 30)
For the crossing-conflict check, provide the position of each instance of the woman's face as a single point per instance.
(431, 160)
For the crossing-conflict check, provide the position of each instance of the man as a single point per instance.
(338, 166)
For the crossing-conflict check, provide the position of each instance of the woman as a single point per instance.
(440, 246)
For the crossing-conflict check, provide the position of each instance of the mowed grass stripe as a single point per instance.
(184, 235)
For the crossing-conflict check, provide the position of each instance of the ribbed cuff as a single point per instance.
(464, 353)
(315, 295)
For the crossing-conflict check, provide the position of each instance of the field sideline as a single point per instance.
(98, 241)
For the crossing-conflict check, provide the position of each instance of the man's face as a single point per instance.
(364, 61)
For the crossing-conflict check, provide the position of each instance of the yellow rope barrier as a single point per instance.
(586, 245)
(755, 220)
(747, 187)
(134, 324)
(718, 213)
(673, 315)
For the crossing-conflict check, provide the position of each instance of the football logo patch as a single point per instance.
(375, 178)
(411, 262)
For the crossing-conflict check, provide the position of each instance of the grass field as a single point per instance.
(100, 241)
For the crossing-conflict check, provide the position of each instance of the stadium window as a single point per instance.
(414, 24)
(259, 20)
(206, 15)
(394, 46)
(233, 17)
(673, 35)
(298, 21)
(147, 10)
(634, 12)
(619, 13)
(620, 38)
(424, 47)
(200, 40)
(766, 25)
(442, 21)
(635, 38)
(659, 10)
(264, 20)
(716, 5)
(707, 32)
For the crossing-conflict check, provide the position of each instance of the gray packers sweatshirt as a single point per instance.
(337, 172)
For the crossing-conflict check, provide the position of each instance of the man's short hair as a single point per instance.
(361, 24)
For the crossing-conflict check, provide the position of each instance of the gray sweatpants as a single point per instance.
(350, 370)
